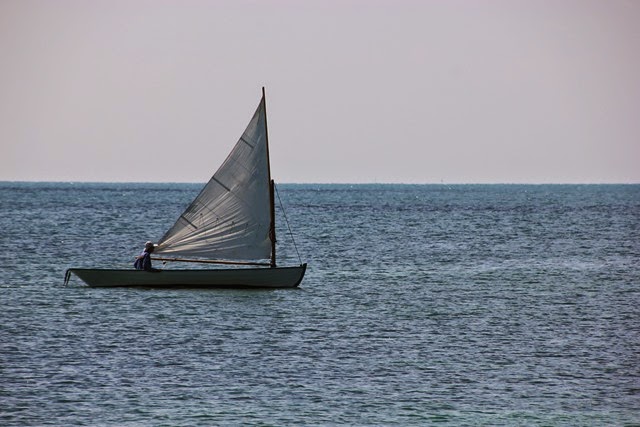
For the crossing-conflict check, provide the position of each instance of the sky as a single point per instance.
(397, 91)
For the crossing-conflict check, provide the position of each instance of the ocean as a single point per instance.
(483, 305)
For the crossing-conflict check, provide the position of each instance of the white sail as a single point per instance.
(230, 219)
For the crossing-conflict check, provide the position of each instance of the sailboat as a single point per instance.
(231, 222)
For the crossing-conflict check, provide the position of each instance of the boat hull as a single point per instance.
(278, 277)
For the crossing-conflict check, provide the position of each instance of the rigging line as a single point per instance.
(284, 214)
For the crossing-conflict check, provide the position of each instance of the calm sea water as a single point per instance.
(457, 305)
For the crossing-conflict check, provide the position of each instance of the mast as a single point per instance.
(272, 209)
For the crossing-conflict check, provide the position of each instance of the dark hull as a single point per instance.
(278, 277)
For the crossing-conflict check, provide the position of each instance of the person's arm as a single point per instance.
(146, 263)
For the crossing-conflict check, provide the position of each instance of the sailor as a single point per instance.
(143, 261)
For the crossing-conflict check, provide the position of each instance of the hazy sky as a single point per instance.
(357, 91)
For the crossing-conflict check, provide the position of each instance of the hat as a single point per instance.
(148, 245)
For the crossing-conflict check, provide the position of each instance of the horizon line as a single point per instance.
(326, 183)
